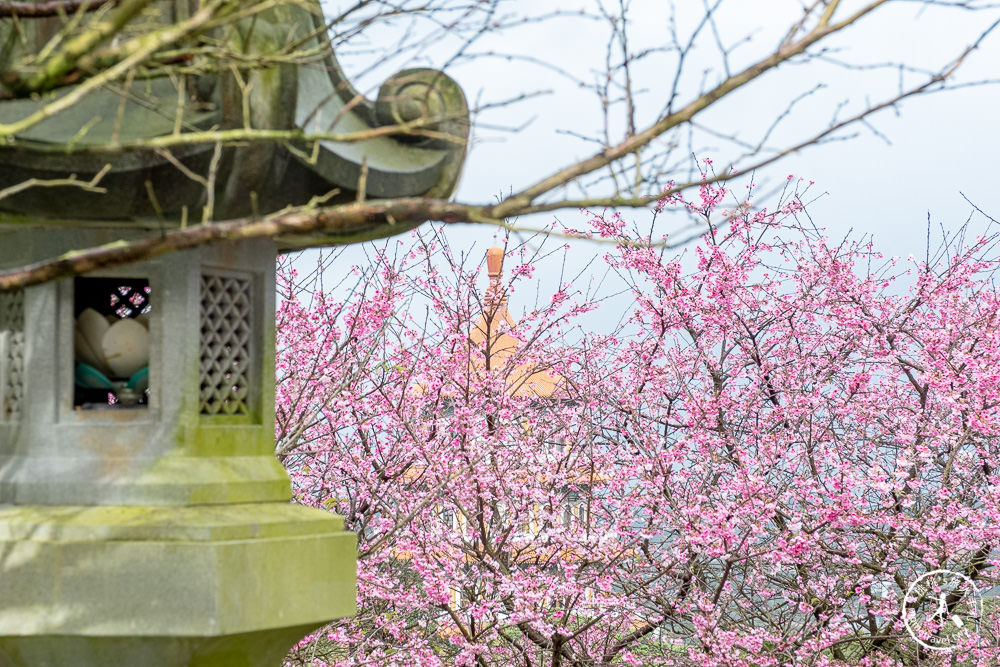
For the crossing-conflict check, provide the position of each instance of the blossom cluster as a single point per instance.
(780, 438)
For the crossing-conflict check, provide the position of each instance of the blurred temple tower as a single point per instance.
(496, 347)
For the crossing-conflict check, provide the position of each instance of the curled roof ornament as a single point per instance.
(263, 120)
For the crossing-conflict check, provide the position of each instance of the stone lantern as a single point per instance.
(143, 517)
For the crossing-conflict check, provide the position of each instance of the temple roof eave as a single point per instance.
(136, 141)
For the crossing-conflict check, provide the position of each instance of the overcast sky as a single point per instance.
(919, 158)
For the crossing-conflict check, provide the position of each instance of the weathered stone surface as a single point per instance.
(108, 130)
(183, 572)
(159, 534)
(167, 453)
(242, 650)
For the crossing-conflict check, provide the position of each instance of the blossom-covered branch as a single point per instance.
(780, 439)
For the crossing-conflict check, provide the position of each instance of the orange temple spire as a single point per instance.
(494, 264)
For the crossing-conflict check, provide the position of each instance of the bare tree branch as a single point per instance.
(633, 155)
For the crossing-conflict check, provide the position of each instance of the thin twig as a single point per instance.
(72, 181)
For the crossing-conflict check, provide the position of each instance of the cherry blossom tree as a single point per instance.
(752, 469)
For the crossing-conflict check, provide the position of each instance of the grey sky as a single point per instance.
(941, 145)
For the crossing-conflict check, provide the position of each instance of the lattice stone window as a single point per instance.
(11, 355)
(226, 328)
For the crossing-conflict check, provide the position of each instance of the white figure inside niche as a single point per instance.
(112, 350)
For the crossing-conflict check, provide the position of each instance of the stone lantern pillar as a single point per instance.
(143, 517)
(156, 532)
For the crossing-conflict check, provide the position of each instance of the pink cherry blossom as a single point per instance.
(782, 435)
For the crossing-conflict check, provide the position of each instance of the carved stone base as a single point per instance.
(211, 585)
(266, 647)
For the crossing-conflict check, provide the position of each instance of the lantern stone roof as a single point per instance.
(132, 133)
(491, 335)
